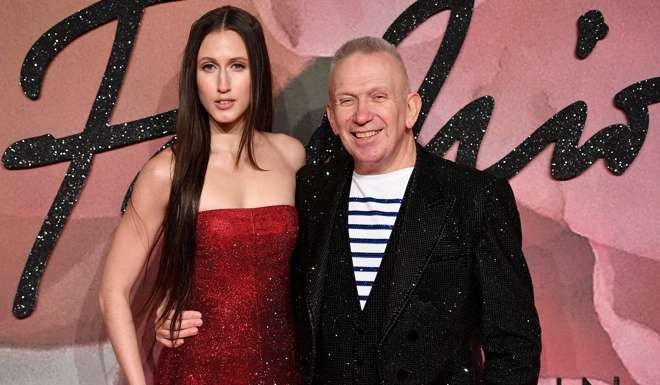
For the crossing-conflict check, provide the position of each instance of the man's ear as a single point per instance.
(413, 106)
(331, 117)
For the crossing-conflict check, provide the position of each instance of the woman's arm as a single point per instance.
(134, 238)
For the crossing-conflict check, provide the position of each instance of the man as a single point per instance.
(407, 265)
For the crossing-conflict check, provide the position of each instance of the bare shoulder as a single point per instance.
(289, 147)
(155, 178)
(160, 168)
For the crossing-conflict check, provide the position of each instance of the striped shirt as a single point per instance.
(373, 206)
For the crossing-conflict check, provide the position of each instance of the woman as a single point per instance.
(220, 206)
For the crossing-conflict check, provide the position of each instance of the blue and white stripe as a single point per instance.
(370, 223)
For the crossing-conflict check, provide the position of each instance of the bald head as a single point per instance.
(368, 45)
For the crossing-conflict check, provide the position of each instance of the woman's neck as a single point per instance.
(225, 138)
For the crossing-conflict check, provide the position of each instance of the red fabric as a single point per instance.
(241, 287)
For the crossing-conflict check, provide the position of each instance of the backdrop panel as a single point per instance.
(591, 237)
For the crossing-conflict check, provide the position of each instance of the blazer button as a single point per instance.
(412, 335)
(402, 375)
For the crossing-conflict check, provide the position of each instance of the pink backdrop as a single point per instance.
(591, 242)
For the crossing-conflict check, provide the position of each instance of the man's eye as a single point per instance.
(345, 101)
(380, 97)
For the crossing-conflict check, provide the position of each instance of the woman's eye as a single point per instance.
(238, 66)
(208, 67)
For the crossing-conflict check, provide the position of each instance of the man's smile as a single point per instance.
(365, 134)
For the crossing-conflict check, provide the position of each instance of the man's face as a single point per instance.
(372, 111)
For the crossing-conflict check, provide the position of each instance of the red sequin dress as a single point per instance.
(241, 287)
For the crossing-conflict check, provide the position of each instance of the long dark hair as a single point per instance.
(174, 281)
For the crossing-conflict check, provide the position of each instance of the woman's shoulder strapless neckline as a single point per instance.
(268, 208)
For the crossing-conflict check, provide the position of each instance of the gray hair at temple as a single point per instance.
(368, 45)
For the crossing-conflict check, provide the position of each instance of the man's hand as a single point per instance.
(190, 322)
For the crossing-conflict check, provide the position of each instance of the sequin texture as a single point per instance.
(241, 287)
(97, 136)
(591, 28)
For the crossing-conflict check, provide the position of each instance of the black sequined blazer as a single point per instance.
(457, 280)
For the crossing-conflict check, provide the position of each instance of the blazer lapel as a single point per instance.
(423, 214)
(326, 205)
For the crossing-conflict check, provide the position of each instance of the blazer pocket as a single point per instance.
(427, 315)
(445, 251)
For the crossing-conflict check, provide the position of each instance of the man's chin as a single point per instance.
(369, 165)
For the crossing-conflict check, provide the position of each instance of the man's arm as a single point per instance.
(510, 330)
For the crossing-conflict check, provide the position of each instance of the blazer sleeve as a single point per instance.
(510, 330)
(301, 250)
(300, 254)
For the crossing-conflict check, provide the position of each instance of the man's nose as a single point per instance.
(363, 114)
(223, 82)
